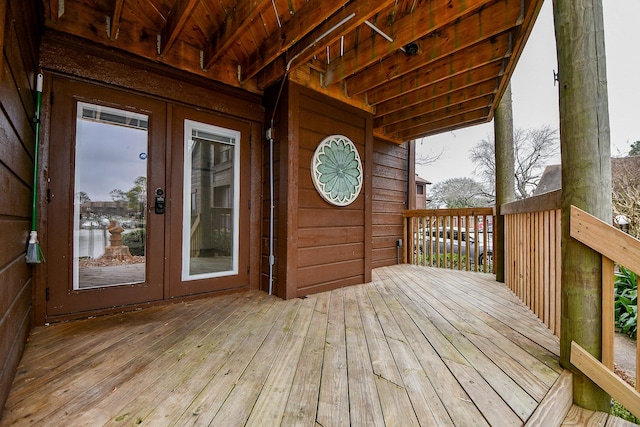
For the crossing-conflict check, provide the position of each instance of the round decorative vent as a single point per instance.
(336, 170)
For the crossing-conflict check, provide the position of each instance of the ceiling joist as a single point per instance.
(176, 20)
(403, 30)
(457, 63)
(439, 100)
(447, 123)
(439, 112)
(344, 21)
(310, 16)
(353, 51)
(236, 23)
(486, 24)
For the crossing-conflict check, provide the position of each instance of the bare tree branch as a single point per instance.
(428, 158)
(533, 148)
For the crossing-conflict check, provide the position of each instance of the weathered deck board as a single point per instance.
(417, 346)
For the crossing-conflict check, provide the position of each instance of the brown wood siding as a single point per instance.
(18, 43)
(390, 184)
(318, 246)
(328, 256)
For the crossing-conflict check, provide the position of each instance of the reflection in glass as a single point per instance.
(210, 232)
(110, 197)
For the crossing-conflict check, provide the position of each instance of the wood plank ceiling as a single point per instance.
(420, 66)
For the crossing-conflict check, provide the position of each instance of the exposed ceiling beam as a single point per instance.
(479, 89)
(114, 25)
(406, 29)
(462, 61)
(311, 15)
(56, 9)
(236, 23)
(453, 109)
(175, 22)
(446, 124)
(436, 89)
(321, 36)
(487, 23)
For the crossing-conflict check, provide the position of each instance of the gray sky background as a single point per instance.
(108, 158)
(535, 98)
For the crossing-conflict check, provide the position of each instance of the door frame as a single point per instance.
(224, 102)
(62, 299)
(175, 286)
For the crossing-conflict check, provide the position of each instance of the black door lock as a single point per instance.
(159, 208)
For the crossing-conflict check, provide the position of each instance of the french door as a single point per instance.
(146, 200)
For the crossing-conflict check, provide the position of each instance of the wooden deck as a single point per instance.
(418, 346)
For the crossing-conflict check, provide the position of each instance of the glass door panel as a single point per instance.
(110, 197)
(210, 202)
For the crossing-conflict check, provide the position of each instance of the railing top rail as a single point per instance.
(447, 212)
(543, 202)
(605, 239)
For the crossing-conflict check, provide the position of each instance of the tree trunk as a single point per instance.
(505, 175)
(586, 179)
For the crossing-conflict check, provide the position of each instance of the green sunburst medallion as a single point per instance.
(336, 170)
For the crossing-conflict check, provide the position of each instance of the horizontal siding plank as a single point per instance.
(310, 198)
(15, 236)
(309, 276)
(16, 196)
(385, 184)
(13, 277)
(345, 217)
(11, 363)
(382, 218)
(317, 255)
(18, 70)
(12, 105)
(18, 313)
(329, 235)
(332, 285)
(12, 152)
(387, 171)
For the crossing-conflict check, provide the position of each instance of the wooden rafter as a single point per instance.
(448, 123)
(487, 23)
(236, 22)
(406, 29)
(115, 19)
(322, 35)
(460, 62)
(478, 89)
(175, 22)
(439, 112)
(467, 50)
(56, 9)
(443, 86)
(311, 15)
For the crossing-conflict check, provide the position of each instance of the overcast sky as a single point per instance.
(535, 98)
(108, 158)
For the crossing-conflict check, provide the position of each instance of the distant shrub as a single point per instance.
(626, 301)
(135, 240)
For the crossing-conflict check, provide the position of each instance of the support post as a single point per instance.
(505, 175)
(586, 180)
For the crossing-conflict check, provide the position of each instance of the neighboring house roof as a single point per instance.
(420, 180)
(551, 178)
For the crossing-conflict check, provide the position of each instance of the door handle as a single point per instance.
(160, 201)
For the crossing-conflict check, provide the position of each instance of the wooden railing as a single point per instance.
(195, 237)
(449, 238)
(532, 255)
(615, 246)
